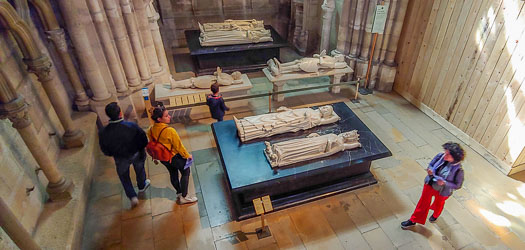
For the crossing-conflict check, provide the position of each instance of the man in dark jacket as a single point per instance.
(125, 142)
(216, 103)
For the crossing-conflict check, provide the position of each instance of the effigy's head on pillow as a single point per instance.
(326, 111)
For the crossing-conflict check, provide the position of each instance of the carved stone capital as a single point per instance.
(16, 111)
(59, 39)
(41, 67)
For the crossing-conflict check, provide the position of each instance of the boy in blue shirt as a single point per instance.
(216, 103)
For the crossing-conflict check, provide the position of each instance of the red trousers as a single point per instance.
(421, 212)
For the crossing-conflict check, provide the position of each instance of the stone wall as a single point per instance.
(180, 15)
(21, 187)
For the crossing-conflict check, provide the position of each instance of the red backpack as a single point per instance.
(157, 150)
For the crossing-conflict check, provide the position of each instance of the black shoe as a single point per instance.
(432, 219)
(407, 224)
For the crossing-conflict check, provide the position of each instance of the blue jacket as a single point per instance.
(452, 174)
(217, 106)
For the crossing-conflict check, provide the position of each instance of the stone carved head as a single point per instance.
(326, 111)
(349, 136)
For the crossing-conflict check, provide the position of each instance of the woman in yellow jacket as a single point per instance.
(171, 140)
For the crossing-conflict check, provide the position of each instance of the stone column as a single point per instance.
(153, 18)
(388, 68)
(56, 35)
(396, 33)
(147, 37)
(104, 33)
(86, 56)
(58, 38)
(136, 41)
(328, 11)
(366, 42)
(14, 108)
(14, 229)
(122, 42)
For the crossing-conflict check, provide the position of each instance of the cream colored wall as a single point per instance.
(463, 61)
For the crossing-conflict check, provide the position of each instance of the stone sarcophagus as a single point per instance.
(232, 32)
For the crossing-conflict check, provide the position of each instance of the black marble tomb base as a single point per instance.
(249, 175)
(241, 57)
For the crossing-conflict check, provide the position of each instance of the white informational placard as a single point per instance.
(145, 92)
(380, 19)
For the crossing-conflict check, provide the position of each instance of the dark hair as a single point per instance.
(455, 150)
(113, 111)
(214, 88)
(157, 112)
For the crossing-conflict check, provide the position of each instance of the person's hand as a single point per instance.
(440, 182)
(191, 157)
(430, 172)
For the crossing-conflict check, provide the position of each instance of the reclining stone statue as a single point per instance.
(205, 82)
(233, 32)
(312, 147)
(335, 60)
(284, 120)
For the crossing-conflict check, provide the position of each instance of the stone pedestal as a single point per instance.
(386, 79)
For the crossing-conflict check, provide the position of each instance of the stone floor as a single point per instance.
(487, 213)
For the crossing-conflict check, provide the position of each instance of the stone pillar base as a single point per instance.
(62, 190)
(387, 74)
(74, 139)
(82, 105)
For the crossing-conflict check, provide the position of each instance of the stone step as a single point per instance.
(61, 223)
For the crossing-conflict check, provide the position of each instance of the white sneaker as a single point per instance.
(187, 199)
(134, 201)
(146, 186)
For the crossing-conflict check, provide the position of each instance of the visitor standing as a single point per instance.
(216, 103)
(181, 159)
(445, 175)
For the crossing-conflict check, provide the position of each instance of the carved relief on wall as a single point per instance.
(283, 121)
(314, 146)
(232, 32)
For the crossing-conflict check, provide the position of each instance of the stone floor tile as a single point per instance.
(215, 192)
(198, 234)
(342, 224)
(230, 243)
(143, 208)
(137, 233)
(458, 236)
(513, 241)
(102, 232)
(249, 227)
(314, 229)
(284, 232)
(358, 213)
(168, 230)
(377, 239)
(226, 230)
(163, 195)
(104, 206)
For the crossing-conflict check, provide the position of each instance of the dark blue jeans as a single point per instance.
(123, 172)
(174, 167)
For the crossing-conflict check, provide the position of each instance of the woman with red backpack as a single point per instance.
(161, 133)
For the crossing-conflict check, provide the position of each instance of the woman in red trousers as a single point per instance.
(445, 175)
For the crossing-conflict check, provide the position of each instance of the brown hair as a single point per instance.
(157, 112)
(214, 88)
